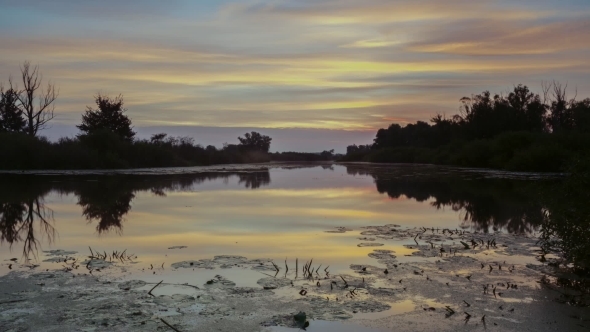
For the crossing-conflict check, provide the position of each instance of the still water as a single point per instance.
(277, 211)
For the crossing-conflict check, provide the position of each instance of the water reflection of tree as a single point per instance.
(566, 228)
(104, 200)
(484, 204)
(254, 180)
(107, 203)
(17, 224)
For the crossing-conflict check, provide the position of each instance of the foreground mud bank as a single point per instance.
(446, 280)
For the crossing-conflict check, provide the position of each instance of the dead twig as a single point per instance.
(170, 326)
(150, 292)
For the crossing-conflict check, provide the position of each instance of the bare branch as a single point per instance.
(573, 100)
(546, 87)
(36, 117)
(559, 92)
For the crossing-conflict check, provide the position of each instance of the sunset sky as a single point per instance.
(332, 71)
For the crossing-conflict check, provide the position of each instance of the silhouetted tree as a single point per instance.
(326, 155)
(108, 116)
(158, 138)
(561, 116)
(485, 116)
(303, 156)
(36, 103)
(581, 114)
(11, 116)
(255, 142)
(419, 134)
(357, 148)
(529, 110)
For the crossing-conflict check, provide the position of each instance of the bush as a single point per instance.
(473, 154)
(567, 226)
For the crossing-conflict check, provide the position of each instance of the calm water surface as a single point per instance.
(272, 211)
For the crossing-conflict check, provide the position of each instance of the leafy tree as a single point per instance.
(255, 142)
(11, 116)
(327, 154)
(486, 116)
(529, 110)
(358, 148)
(108, 116)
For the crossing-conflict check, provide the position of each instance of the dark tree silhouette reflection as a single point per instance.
(484, 204)
(106, 201)
(27, 222)
(254, 180)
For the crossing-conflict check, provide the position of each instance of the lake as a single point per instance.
(285, 214)
(277, 212)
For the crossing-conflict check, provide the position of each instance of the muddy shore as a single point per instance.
(451, 281)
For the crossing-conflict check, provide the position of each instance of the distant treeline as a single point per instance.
(304, 156)
(103, 150)
(106, 139)
(521, 131)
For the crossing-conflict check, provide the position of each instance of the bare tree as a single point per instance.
(37, 103)
(546, 87)
(561, 115)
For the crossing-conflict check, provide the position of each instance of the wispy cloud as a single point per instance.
(331, 64)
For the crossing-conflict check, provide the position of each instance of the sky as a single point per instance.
(313, 75)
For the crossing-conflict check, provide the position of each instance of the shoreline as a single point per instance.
(266, 166)
(436, 288)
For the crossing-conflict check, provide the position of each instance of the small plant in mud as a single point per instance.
(114, 256)
(308, 271)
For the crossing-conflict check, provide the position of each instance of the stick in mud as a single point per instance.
(270, 275)
(170, 326)
(150, 292)
(344, 281)
(275, 266)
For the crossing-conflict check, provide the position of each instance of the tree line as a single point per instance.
(106, 139)
(521, 130)
(326, 155)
